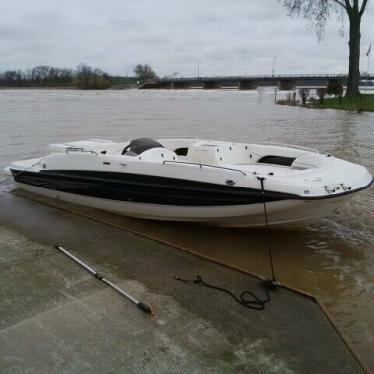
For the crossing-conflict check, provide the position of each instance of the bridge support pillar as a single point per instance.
(156, 85)
(166, 85)
(286, 84)
(248, 84)
(334, 82)
(211, 85)
(179, 85)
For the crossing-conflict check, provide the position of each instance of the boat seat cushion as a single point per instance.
(211, 153)
(158, 155)
(308, 161)
(141, 145)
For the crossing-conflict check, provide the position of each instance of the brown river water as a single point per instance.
(332, 259)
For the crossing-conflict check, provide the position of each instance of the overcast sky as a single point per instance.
(227, 37)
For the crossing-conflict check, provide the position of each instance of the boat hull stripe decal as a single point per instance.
(145, 188)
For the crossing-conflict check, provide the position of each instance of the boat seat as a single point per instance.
(140, 145)
(218, 154)
(308, 161)
(158, 155)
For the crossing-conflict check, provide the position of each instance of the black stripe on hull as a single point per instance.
(145, 188)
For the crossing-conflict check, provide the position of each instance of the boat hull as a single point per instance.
(283, 213)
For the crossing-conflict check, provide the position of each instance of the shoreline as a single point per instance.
(113, 88)
(39, 88)
(362, 103)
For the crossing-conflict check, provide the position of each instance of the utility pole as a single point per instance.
(272, 74)
(272, 70)
(368, 53)
(198, 70)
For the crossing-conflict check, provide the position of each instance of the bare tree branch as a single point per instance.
(363, 6)
(317, 12)
(348, 5)
(340, 3)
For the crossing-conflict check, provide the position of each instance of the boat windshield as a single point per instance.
(138, 146)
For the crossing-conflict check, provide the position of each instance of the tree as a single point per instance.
(321, 93)
(84, 77)
(144, 72)
(318, 12)
(335, 88)
(40, 73)
(84, 73)
(90, 78)
(304, 94)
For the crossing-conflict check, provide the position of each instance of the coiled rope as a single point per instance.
(247, 298)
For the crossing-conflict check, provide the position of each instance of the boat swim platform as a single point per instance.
(55, 317)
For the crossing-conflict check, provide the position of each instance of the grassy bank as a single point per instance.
(358, 103)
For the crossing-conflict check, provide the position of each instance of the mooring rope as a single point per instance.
(247, 298)
(268, 237)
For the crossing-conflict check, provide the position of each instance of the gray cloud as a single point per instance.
(226, 36)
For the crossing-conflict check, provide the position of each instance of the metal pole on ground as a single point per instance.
(143, 306)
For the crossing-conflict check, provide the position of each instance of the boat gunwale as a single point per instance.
(206, 165)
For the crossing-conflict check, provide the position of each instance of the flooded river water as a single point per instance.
(332, 259)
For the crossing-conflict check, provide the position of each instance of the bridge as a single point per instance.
(251, 82)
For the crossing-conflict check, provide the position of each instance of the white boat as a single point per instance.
(188, 179)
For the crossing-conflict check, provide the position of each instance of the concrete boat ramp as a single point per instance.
(57, 318)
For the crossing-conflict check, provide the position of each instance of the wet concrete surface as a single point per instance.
(55, 317)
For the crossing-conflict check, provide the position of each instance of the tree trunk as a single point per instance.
(354, 54)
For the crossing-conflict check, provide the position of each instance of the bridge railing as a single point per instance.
(264, 77)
